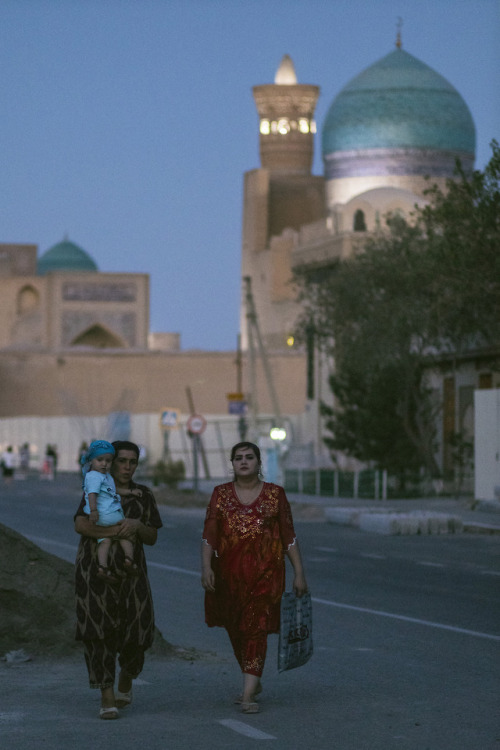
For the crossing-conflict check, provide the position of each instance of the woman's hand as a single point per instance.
(208, 579)
(128, 528)
(299, 584)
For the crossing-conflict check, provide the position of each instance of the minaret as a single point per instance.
(286, 112)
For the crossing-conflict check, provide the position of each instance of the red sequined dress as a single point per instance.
(249, 542)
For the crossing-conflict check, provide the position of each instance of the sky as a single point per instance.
(127, 125)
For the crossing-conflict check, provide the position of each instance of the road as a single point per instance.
(406, 632)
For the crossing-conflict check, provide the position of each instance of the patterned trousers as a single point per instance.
(250, 650)
(100, 658)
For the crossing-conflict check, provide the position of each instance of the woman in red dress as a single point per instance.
(248, 531)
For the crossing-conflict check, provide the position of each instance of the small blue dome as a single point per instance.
(399, 102)
(65, 256)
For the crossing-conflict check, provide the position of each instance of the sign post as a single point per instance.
(196, 425)
(169, 420)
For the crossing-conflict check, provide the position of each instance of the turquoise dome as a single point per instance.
(399, 102)
(65, 256)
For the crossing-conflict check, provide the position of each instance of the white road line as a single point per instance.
(490, 572)
(246, 729)
(373, 556)
(427, 623)
(174, 569)
(430, 564)
(326, 549)
(327, 602)
(51, 542)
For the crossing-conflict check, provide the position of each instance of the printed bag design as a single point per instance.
(295, 645)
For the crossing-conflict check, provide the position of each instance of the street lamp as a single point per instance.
(277, 433)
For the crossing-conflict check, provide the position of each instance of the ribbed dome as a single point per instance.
(399, 102)
(65, 256)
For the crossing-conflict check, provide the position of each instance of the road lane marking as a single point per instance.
(246, 729)
(490, 572)
(174, 569)
(373, 556)
(327, 602)
(326, 549)
(51, 542)
(430, 564)
(404, 618)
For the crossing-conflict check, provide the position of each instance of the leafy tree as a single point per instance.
(418, 289)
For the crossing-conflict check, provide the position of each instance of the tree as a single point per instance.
(420, 288)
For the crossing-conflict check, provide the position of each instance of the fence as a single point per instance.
(371, 484)
(367, 484)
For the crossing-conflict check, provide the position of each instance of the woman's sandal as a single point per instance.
(110, 712)
(130, 566)
(239, 698)
(123, 699)
(250, 707)
(106, 575)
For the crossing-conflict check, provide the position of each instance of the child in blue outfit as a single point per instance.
(103, 505)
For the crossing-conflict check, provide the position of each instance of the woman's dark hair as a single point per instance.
(245, 444)
(125, 445)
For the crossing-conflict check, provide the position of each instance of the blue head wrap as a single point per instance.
(96, 448)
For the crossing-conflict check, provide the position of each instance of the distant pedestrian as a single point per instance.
(83, 449)
(8, 463)
(52, 453)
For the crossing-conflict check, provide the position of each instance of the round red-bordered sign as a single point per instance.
(196, 424)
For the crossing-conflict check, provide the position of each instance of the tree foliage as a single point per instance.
(420, 288)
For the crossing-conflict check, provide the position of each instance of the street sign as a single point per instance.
(238, 407)
(169, 418)
(196, 424)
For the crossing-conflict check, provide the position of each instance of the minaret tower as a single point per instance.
(286, 112)
(280, 197)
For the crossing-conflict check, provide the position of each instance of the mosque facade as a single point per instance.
(394, 129)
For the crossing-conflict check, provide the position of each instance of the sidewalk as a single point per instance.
(484, 517)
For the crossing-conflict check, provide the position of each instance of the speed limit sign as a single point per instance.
(196, 424)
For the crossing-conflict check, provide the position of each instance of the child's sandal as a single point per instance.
(131, 567)
(106, 575)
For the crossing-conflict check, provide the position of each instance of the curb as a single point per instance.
(405, 524)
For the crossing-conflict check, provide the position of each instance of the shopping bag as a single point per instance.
(295, 645)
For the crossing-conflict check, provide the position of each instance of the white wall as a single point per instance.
(487, 443)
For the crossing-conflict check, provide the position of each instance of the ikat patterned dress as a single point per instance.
(125, 610)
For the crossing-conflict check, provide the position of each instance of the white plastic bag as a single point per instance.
(295, 645)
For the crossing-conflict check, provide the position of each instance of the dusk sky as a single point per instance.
(127, 125)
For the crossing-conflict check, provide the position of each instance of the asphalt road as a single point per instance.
(406, 632)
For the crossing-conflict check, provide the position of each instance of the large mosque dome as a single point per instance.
(65, 256)
(397, 117)
(399, 102)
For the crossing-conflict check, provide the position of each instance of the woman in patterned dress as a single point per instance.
(247, 533)
(116, 620)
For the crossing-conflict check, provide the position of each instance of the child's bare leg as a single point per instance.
(128, 550)
(127, 547)
(103, 552)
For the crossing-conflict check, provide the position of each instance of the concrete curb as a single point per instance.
(392, 523)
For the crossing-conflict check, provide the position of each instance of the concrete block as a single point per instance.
(380, 523)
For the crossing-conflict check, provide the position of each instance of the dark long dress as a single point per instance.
(125, 610)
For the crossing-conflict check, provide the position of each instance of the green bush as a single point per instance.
(169, 473)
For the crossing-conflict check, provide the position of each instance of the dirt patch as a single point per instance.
(37, 602)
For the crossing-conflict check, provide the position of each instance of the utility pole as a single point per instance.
(254, 336)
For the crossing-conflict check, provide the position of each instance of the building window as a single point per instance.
(28, 300)
(359, 224)
(485, 380)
